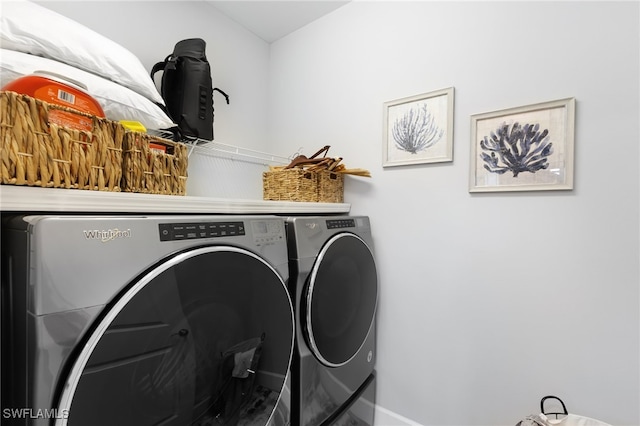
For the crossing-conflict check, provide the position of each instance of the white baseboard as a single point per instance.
(384, 417)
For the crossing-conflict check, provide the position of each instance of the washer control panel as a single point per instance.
(196, 230)
(341, 223)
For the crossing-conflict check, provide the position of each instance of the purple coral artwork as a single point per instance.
(523, 149)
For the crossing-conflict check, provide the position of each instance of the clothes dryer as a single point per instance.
(145, 320)
(334, 287)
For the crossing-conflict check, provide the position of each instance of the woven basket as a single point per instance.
(297, 184)
(293, 184)
(151, 171)
(330, 187)
(35, 151)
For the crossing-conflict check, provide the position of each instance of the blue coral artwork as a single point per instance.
(516, 148)
(419, 129)
(523, 149)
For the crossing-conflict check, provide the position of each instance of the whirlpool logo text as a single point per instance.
(106, 235)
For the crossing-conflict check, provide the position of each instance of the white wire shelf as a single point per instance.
(218, 149)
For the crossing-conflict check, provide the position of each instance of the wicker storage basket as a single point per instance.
(330, 187)
(35, 151)
(298, 184)
(149, 170)
(293, 184)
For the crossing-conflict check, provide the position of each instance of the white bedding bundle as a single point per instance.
(34, 38)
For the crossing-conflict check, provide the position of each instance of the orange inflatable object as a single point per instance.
(58, 90)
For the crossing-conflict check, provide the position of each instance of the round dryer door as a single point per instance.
(341, 298)
(204, 338)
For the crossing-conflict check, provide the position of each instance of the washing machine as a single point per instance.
(334, 287)
(145, 320)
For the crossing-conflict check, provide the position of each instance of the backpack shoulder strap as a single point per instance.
(160, 66)
(157, 67)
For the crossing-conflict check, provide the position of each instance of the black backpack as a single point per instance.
(187, 88)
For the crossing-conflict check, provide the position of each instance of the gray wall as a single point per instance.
(488, 301)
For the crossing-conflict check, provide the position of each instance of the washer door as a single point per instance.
(205, 338)
(340, 299)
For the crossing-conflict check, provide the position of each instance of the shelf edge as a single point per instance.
(23, 198)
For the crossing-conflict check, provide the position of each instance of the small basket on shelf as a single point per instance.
(290, 185)
(154, 165)
(330, 187)
(312, 179)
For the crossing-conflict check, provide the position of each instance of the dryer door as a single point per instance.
(340, 299)
(205, 338)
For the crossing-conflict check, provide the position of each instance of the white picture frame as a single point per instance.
(418, 129)
(527, 148)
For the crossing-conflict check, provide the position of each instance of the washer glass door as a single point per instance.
(205, 338)
(340, 299)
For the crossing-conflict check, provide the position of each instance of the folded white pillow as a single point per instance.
(118, 102)
(30, 28)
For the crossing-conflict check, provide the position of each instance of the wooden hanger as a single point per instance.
(301, 160)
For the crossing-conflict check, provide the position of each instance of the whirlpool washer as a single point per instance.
(334, 287)
(145, 320)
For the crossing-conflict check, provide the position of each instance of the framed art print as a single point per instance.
(527, 148)
(418, 129)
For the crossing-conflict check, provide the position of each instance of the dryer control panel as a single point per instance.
(195, 230)
(267, 231)
(341, 223)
